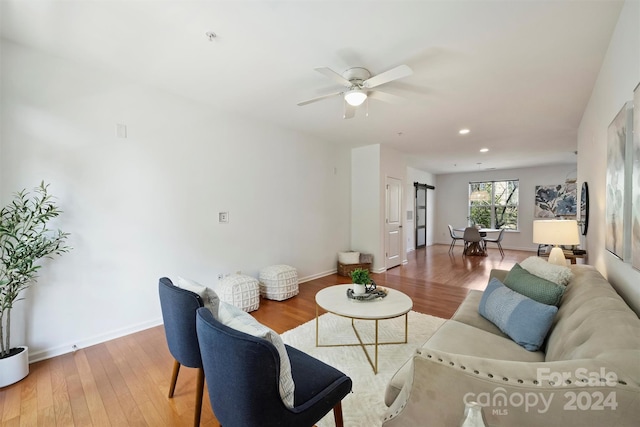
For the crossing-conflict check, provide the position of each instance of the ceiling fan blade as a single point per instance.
(333, 75)
(386, 97)
(349, 111)
(319, 98)
(393, 74)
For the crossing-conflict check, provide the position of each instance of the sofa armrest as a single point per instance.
(561, 394)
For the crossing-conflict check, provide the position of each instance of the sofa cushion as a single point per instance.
(526, 321)
(557, 274)
(459, 338)
(242, 321)
(468, 314)
(534, 287)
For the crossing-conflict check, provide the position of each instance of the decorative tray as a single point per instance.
(377, 293)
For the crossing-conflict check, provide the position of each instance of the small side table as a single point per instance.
(568, 254)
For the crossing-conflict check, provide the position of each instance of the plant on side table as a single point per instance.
(24, 239)
(360, 278)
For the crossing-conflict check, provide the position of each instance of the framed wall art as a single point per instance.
(635, 183)
(584, 209)
(617, 140)
(558, 200)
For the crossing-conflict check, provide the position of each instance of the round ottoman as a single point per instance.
(278, 282)
(241, 291)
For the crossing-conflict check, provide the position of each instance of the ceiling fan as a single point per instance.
(359, 83)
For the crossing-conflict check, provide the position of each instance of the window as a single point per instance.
(500, 209)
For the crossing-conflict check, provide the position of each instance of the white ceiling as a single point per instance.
(517, 73)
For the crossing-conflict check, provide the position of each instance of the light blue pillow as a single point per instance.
(526, 321)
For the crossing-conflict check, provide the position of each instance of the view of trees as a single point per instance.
(501, 208)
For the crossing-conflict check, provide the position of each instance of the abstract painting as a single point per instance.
(557, 200)
(635, 186)
(617, 134)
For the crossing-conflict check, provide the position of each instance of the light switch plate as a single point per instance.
(223, 217)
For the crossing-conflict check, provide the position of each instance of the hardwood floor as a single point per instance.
(124, 382)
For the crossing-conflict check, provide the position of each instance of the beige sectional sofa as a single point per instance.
(587, 375)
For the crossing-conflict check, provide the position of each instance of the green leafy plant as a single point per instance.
(24, 239)
(360, 276)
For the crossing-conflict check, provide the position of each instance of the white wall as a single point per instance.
(619, 75)
(146, 206)
(370, 167)
(452, 200)
(416, 175)
(365, 199)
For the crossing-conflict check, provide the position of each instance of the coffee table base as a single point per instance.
(376, 343)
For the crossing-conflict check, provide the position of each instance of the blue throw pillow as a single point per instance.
(526, 321)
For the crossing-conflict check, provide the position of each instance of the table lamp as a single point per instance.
(556, 232)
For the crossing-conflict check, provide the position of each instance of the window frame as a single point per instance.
(491, 204)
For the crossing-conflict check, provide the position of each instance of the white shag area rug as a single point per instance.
(364, 407)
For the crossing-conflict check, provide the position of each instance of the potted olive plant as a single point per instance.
(360, 278)
(24, 239)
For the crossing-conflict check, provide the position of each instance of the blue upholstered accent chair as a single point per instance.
(243, 373)
(179, 314)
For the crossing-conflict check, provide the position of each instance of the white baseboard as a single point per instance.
(68, 348)
(317, 276)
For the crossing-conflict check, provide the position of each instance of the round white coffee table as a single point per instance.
(334, 300)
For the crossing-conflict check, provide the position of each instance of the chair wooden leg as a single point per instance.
(174, 377)
(337, 414)
(199, 393)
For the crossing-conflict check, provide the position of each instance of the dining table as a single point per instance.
(478, 248)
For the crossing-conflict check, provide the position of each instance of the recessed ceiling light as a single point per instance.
(464, 131)
(484, 150)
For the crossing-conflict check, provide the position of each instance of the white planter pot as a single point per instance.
(359, 289)
(14, 368)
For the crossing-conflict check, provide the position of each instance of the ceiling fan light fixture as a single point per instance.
(355, 97)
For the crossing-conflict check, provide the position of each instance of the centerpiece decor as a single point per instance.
(24, 239)
(361, 279)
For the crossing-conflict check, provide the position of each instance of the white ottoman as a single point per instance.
(278, 282)
(241, 291)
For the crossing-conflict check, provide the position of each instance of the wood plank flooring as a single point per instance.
(124, 382)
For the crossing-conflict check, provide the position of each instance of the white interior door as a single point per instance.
(393, 223)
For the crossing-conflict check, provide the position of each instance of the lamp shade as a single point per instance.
(355, 97)
(556, 232)
(479, 196)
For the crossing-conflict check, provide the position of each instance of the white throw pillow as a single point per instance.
(349, 257)
(554, 273)
(209, 297)
(242, 321)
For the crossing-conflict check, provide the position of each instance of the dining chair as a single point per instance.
(496, 240)
(454, 237)
(179, 315)
(472, 241)
(242, 373)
